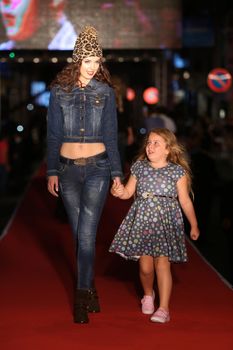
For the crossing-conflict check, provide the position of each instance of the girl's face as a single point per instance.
(18, 16)
(88, 69)
(156, 148)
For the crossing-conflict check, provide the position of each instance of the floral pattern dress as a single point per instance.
(154, 224)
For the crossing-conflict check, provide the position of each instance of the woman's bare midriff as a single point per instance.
(75, 150)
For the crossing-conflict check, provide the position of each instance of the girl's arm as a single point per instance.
(124, 192)
(187, 206)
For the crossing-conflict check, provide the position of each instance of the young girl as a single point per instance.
(153, 230)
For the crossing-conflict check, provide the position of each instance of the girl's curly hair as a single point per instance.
(177, 153)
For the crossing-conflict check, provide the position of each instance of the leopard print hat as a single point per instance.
(87, 45)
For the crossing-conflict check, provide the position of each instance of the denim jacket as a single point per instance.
(85, 115)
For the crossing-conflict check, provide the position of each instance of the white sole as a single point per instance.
(159, 320)
(147, 313)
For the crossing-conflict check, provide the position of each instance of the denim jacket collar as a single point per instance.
(92, 85)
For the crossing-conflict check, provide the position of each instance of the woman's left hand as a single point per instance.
(116, 181)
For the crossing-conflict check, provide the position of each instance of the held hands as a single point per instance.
(53, 185)
(117, 189)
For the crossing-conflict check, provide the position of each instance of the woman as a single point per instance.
(83, 154)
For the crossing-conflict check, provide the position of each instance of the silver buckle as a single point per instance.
(147, 195)
(80, 161)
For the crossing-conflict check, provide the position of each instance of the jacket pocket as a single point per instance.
(97, 101)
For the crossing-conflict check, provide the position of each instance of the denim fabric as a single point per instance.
(83, 190)
(85, 115)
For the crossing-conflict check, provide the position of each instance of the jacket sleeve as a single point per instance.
(54, 134)
(110, 134)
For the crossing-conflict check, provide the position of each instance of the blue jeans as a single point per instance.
(83, 189)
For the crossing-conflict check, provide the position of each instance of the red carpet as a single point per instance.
(36, 272)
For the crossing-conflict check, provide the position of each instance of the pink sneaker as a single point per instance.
(161, 316)
(148, 304)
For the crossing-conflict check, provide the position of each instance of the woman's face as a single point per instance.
(18, 16)
(88, 69)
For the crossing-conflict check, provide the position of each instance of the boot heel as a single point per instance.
(81, 306)
(93, 301)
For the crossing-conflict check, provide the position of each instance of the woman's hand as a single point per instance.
(117, 181)
(53, 185)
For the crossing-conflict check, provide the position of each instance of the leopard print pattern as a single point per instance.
(87, 45)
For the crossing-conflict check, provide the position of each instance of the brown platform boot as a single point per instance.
(93, 301)
(81, 306)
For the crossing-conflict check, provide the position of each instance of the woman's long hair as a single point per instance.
(68, 78)
(177, 153)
